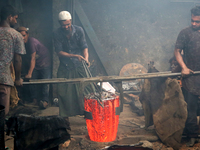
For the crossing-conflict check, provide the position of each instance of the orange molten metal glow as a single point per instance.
(103, 127)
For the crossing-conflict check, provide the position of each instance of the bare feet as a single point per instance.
(192, 142)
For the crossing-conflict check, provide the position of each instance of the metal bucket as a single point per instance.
(104, 123)
(2, 119)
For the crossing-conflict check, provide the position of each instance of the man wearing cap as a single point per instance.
(36, 65)
(71, 47)
(11, 48)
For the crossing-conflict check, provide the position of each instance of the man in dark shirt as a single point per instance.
(36, 66)
(189, 41)
(11, 48)
(71, 47)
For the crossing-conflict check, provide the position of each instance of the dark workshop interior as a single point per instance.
(131, 46)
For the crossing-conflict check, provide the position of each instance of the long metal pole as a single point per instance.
(106, 78)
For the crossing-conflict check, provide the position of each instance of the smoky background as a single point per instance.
(137, 31)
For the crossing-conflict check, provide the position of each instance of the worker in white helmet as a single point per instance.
(71, 47)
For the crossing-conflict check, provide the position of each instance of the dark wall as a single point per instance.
(137, 31)
(37, 16)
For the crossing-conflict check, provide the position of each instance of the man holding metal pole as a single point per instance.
(189, 41)
(72, 49)
(11, 48)
(36, 65)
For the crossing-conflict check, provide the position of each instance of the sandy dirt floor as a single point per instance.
(130, 130)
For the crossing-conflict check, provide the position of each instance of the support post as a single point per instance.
(121, 97)
(92, 36)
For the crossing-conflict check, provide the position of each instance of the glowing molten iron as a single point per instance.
(103, 127)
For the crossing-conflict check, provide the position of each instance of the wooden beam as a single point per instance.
(92, 36)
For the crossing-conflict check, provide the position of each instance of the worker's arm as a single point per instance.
(17, 66)
(65, 54)
(32, 66)
(179, 58)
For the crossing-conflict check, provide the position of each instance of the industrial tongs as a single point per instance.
(89, 75)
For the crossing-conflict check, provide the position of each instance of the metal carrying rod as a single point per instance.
(106, 78)
(86, 68)
(89, 75)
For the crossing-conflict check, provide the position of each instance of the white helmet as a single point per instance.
(64, 15)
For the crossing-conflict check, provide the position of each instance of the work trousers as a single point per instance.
(5, 96)
(40, 91)
(191, 127)
(70, 103)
